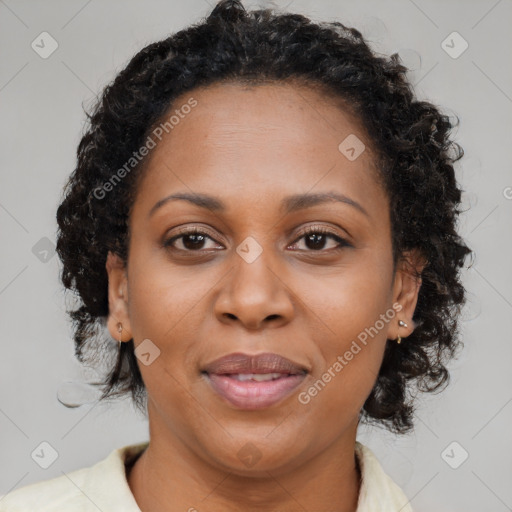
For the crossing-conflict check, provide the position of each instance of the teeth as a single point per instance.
(260, 377)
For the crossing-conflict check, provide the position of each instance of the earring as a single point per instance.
(119, 330)
(401, 323)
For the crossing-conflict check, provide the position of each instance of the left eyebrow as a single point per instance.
(301, 201)
(289, 204)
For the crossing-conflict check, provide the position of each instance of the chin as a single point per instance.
(257, 455)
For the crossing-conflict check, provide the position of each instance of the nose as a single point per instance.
(255, 296)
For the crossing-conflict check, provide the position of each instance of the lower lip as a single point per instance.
(251, 394)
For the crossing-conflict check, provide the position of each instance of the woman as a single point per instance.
(263, 215)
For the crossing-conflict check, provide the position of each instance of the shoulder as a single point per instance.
(47, 495)
(378, 493)
(102, 486)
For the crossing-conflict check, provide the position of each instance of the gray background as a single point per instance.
(41, 121)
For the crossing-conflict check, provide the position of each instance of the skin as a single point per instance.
(250, 148)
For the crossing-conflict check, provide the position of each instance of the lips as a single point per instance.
(260, 363)
(254, 382)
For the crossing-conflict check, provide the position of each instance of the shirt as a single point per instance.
(104, 487)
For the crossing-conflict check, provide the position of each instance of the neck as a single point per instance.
(170, 478)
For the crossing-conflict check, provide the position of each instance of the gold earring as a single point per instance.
(401, 323)
(119, 330)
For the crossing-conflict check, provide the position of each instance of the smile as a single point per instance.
(254, 381)
(254, 391)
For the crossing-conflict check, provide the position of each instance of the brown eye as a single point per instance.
(316, 238)
(190, 240)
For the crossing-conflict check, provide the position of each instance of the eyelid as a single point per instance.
(194, 229)
(317, 228)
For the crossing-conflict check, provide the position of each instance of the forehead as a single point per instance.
(258, 141)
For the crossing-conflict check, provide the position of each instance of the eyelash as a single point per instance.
(308, 231)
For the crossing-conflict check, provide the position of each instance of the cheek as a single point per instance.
(346, 370)
(352, 314)
(161, 308)
(160, 297)
(350, 299)
(166, 306)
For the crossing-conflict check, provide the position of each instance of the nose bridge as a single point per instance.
(254, 269)
(254, 291)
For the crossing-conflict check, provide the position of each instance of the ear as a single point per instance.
(406, 287)
(117, 298)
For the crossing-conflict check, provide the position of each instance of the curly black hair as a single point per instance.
(411, 142)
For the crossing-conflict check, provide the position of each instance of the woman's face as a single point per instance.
(254, 282)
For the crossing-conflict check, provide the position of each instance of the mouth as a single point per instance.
(254, 382)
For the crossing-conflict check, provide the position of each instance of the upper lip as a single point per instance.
(260, 363)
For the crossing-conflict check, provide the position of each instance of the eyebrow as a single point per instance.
(289, 204)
